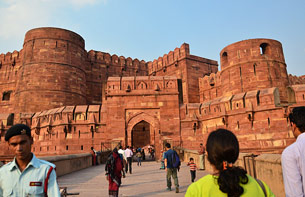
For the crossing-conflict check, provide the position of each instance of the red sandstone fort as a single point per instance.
(74, 99)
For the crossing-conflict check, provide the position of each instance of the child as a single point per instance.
(139, 156)
(193, 168)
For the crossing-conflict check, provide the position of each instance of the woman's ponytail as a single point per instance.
(229, 181)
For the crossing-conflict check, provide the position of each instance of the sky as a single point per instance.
(146, 29)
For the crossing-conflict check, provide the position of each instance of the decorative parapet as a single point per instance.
(141, 85)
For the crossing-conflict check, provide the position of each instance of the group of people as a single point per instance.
(27, 175)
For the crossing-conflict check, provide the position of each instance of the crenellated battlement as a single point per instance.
(169, 59)
(10, 58)
(114, 60)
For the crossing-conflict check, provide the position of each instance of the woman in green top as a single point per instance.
(228, 180)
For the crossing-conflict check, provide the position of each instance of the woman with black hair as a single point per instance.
(228, 180)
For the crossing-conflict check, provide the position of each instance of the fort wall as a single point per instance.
(9, 66)
(74, 99)
(103, 65)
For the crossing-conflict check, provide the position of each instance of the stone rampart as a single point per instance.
(66, 164)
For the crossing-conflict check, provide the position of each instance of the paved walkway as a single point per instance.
(146, 180)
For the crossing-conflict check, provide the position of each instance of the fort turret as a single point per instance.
(253, 64)
(52, 73)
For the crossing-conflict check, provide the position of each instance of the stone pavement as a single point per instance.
(145, 180)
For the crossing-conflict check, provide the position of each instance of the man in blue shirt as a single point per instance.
(293, 157)
(170, 170)
(26, 175)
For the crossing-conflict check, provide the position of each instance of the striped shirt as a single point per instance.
(193, 166)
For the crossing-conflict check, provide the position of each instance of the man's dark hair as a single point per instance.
(191, 159)
(120, 147)
(297, 117)
(167, 145)
(127, 146)
(91, 148)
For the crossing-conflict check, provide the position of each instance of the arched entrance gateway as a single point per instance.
(143, 130)
(140, 134)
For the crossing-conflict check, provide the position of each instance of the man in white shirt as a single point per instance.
(128, 154)
(293, 157)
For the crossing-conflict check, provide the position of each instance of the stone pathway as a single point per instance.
(145, 180)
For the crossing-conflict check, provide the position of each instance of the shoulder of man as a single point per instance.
(289, 149)
(44, 162)
(5, 167)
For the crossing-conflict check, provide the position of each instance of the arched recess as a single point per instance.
(153, 121)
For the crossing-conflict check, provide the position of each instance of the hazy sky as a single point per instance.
(146, 29)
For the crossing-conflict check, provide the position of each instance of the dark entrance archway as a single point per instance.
(140, 134)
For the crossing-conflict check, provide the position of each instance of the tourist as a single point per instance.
(201, 157)
(152, 152)
(162, 160)
(26, 175)
(123, 158)
(193, 168)
(227, 180)
(93, 153)
(113, 169)
(143, 154)
(293, 157)
(139, 156)
(128, 154)
(169, 168)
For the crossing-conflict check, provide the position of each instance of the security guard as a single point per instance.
(26, 175)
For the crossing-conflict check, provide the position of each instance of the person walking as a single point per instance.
(123, 158)
(201, 157)
(26, 175)
(139, 156)
(143, 154)
(227, 180)
(114, 168)
(128, 154)
(293, 157)
(162, 160)
(193, 168)
(169, 168)
(93, 153)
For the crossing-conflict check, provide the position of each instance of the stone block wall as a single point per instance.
(9, 66)
(186, 67)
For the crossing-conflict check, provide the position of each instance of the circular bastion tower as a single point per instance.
(253, 64)
(52, 73)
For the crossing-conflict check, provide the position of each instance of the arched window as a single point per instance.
(265, 49)
(224, 57)
(6, 96)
